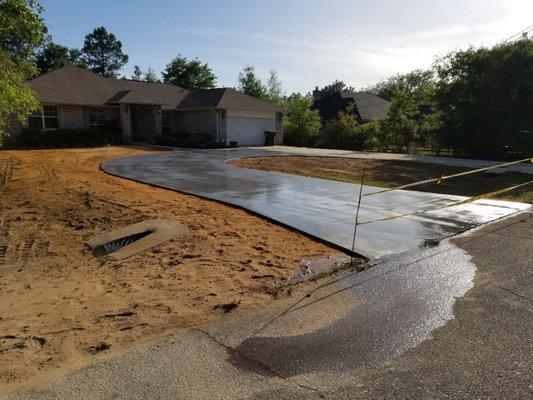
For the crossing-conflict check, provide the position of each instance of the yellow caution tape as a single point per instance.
(442, 178)
(469, 200)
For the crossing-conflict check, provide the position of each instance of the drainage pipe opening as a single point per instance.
(111, 247)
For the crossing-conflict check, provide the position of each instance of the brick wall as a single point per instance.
(70, 117)
(197, 121)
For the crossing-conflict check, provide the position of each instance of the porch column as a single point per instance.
(157, 113)
(125, 121)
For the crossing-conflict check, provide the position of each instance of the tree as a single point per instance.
(137, 73)
(301, 124)
(189, 74)
(486, 100)
(344, 132)
(17, 100)
(21, 28)
(250, 83)
(399, 128)
(419, 83)
(21, 32)
(333, 87)
(52, 56)
(274, 89)
(150, 76)
(103, 53)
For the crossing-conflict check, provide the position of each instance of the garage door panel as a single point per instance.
(249, 131)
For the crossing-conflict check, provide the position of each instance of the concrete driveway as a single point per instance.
(451, 161)
(449, 322)
(321, 208)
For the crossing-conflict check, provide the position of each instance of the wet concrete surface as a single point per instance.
(525, 168)
(321, 208)
(451, 321)
(401, 302)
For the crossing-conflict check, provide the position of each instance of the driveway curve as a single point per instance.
(323, 209)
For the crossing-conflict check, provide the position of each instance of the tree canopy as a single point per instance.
(150, 76)
(21, 31)
(486, 99)
(250, 83)
(103, 53)
(333, 87)
(419, 83)
(189, 74)
(274, 89)
(301, 124)
(52, 56)
(137, 73)
(399, 127)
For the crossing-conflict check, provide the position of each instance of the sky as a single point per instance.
(307, 42)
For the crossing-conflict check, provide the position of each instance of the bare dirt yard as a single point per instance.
(61, 307)
(384, 173)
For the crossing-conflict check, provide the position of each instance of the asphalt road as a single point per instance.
(322, 208)
(448, 322)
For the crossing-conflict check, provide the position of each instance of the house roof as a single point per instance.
(225, 98)
(368, 106)
(73, 85)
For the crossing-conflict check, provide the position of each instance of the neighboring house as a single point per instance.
(366, 107)
(73, 98)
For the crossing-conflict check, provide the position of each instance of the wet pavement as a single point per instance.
(451, 321)
(525, 168)
(411, 299)
(321, 208)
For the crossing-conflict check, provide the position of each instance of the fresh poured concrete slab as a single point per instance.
(525, 168)
(321, 208)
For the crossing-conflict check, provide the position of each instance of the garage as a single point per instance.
(247, 128)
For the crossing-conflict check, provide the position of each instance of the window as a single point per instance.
(50, 117)
(166, 124)
(45, 118)
(96, 118)
(35, 120)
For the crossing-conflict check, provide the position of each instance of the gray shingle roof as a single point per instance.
(369, 106)
(73, 85)
(225, 98)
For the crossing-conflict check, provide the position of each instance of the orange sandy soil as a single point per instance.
(58, 303)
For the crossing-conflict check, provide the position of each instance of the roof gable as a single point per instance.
(368, 106)
(73, 85)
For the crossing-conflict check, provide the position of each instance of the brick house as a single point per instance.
(73, 97)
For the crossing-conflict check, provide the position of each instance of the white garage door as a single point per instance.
(248, 131)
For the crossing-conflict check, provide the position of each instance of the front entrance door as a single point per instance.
(143, 124)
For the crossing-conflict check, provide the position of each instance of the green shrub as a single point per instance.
(344, 132)
(57, 138)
